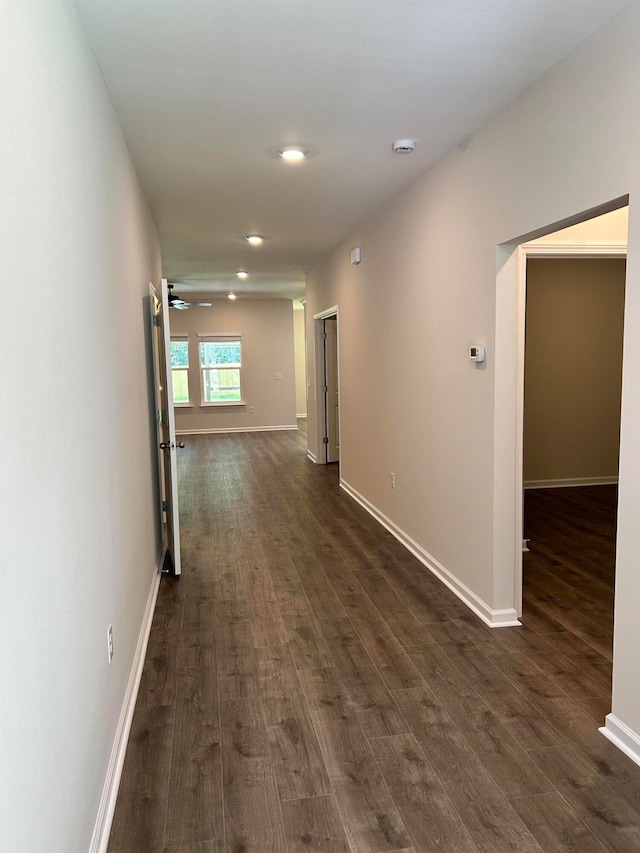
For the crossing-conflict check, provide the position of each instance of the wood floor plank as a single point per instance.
(597, 707)
(417, 592)
(392, 662)
(597, 666)
(159, 674)
(482, 806)
(521, 719)
(407, 629)
(261, 621)
(284, 576)
(320, 593)
(376, 709)
(308, 647)
(256, 672)
(216, 846)
(195, 808)
(607, 815)
(371, 821)
(253, 820)
(138, 823)
(534, 617)
(197, 670)
(314, 825)
(427, 812)
(326, 695)
(555, 824)
(500, 753)
(295, 754)
(607, 762)
(527, 677)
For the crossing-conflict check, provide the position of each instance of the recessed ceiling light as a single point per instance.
(242, 274)
(231, 296)
(293, 153)
(254, 239)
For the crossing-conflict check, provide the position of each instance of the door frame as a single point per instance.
(321, 400)
(526, 251)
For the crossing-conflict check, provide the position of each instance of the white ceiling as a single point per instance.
(208, 90)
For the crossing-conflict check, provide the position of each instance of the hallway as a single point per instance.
(309, 685)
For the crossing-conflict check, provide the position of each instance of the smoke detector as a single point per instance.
(404, 146)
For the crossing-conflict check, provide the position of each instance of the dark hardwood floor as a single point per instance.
(310, 686)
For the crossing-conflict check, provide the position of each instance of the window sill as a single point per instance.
(223, 403)
(183, 405)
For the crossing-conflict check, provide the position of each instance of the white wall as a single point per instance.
(436, 278)
(77, 533)
(301, 362)
(266, 326)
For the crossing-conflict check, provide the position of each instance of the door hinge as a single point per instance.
(325, 440)
(165, 506)
(157, 320)
(324, 336)
(324, 389)
(525, 544)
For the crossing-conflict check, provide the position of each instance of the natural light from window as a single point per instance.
(180, 370)
(221, 368)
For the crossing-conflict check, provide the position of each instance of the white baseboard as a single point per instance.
(572, 481)
(492, 618)
(303, 416)
(312, 457)
(102, 828)
(235, 429)
(622, 736)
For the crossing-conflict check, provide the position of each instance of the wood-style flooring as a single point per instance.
(310, 686)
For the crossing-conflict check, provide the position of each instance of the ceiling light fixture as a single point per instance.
(254, 239)
(404, 146)
(231, 295)
(242, 274)
(293, 153)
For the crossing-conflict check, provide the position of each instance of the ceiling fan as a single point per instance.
(176, 302)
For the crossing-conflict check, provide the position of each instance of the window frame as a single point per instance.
(182, 404)
(208, 337)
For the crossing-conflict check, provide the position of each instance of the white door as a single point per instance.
(332, 406)
(166, 428)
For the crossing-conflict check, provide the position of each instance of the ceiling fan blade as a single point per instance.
(179, 304)
(200, 304)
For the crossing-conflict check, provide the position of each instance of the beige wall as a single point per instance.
(573, 369)
(439, 272)
(266, 326)
(609, 229)
(301, 363)
(78, 500)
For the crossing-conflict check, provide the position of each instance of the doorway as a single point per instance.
(574, 314)
(601, 233)
(328, 385)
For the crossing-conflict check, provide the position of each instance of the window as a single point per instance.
(221, 369)
(180, 370)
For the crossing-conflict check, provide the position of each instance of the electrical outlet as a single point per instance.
(110, 642)
(251, 410)
(393, 480)
(278, 375)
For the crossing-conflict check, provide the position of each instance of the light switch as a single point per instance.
(278, 376)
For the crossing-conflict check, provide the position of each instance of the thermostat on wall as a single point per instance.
(477, 354)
